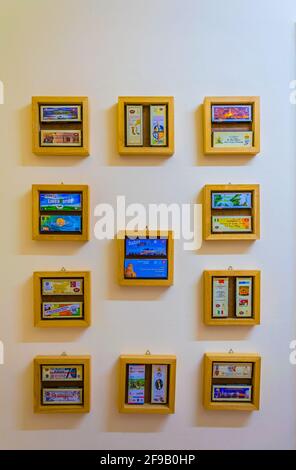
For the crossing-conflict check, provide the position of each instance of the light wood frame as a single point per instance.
(167, 150)
(147, 408)
(61, 360)
(209, 358)
(145, 234)
(207, 124)
(37, 280)
(254, 211)
(208, 298)
(63, 100)
(37, 188)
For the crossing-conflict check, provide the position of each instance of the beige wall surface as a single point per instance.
(187, 49)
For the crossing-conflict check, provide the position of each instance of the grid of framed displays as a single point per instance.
(231, 297)
(147, 384)
(60, 125)
(62, 384)
(62, 299)
(231, 212)
(146, 125)
(146, 258)
(232, 381)
(231, 125)
(60, 212)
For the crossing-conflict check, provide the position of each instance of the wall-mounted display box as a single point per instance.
(146, 258)
(62, 384)
(231, 212)
(146, 125)
(147, 384)
(231, 125)
(60, 125)
(60, 212)
(231, 297)
(62, 299)
(232, 381)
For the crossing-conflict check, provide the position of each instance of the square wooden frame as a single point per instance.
(63, 100)
(145, 234)
(207, 211)
(60, 360)
(142, 150)
(39, 322)
(208, 298)
(209, 358)
(207, 118)
(37, 188)
(147, 408)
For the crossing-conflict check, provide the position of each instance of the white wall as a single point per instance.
(188, 49)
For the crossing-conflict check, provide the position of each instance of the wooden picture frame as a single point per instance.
(147, 360)
(121, 237)
(84, 299)
(254, 381)
(81, 126)
(38, 189)
(253, 212)
(82, 385)
(253, 126)
(146, 148)
(232, 319)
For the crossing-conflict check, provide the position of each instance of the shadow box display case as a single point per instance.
(60, 125)
(60, 212)
(147, 383)
(146, 125)
(62, 384)
(146, 258)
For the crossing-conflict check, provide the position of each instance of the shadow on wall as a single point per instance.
(25, 151)
(126, 422)
(117, 292)
(30, 421)
(38, 247)
(114, 159)
(215, 418)
(214, 160)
